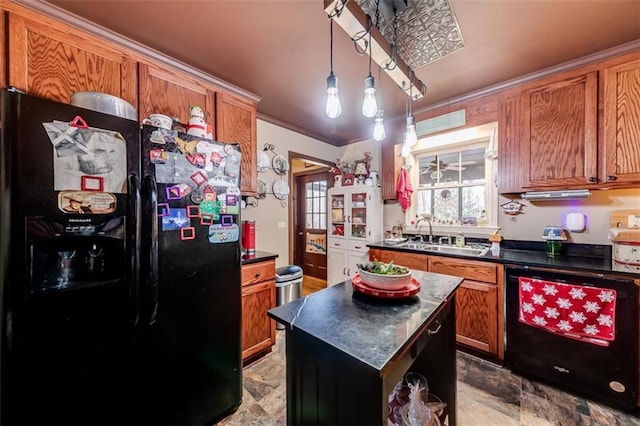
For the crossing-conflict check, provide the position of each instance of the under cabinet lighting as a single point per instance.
(556, 195)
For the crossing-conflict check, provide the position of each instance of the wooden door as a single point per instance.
(51, 60)
(171, 93)
(236, 121)
(620, 124)
(560, 133)
(310, 250)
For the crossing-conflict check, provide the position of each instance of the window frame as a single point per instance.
(475, 137)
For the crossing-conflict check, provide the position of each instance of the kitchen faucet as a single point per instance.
(426, 217)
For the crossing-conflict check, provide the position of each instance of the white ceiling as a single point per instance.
(279, 49)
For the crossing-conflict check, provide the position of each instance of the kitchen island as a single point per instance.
(346, 351)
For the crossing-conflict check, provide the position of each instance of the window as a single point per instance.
(316, 198)
(452, 186)
(453, 178)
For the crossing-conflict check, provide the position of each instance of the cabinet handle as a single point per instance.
(357, 247)
(593, 180)
(612, 178)
(349, 272)
(344, 271)
(430, 332)
(336, 244)
(257, 274)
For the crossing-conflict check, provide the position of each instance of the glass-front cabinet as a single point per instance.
(355, 219)
(350, 213)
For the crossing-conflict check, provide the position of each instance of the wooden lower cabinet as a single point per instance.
(476, 321)
(258, 296)
(479, 307)
(410, 260)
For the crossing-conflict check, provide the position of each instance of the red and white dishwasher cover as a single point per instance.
(574, 311)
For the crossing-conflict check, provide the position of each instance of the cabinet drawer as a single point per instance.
(469, 269)
(338, 244)
(359, 246)
(256, 272)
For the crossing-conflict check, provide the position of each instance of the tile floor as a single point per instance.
(487, 395)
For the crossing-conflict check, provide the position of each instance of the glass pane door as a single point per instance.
(358, 218)
(337, 215)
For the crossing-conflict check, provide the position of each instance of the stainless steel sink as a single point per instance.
(437, 248)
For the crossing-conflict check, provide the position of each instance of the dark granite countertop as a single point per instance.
(258, 256)
(368, 329)
(579, 259)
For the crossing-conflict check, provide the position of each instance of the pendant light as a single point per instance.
(333, 109)
(369, 105)
(411, 138)
(378, 129)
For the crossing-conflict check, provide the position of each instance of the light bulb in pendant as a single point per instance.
(411, 138)
(405, 151)
(378, 129)
(369, 105)
(333, 109)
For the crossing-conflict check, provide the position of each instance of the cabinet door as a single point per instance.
(169, 92)
(560, 133)
(337, 214)
(620, 125)
(355, 258)
(236, 122)
(258, 330)
(476, 316)
(51, 60)
(337, 264)
(509, 145)
(359, 218)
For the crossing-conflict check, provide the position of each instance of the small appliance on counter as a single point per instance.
(625, 238)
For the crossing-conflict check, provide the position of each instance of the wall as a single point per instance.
(597, 208)
(272, 220)
(529, 225)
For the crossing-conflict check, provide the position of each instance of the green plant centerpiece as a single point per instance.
(384, 276)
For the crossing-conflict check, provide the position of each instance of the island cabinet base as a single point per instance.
(326, 386)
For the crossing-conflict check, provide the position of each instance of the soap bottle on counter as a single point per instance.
(495, 239)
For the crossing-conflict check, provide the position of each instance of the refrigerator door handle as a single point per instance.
(134, 247)
(151, 235)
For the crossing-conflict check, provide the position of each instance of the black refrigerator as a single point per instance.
(119, 270)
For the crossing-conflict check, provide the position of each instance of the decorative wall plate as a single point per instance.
(280, 165)
(263, 161)
(263, 186)
(281, 189)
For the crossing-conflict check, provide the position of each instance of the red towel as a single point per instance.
(404, 189)
(575, 311)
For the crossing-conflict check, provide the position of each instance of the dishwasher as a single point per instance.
(576, 331)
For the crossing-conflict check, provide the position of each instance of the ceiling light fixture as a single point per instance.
(378, 129)
(333, 109)
(369, 105)
(352, 19)
(410, 138)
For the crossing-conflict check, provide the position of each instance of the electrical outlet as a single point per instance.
(282, 224)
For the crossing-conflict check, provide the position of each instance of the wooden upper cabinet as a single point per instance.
(52, 60)
(169, 92)
(509, 146)
(620, 123)
(559, 133)
(236, 122)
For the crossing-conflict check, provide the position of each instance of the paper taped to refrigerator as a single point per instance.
(88, 159)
